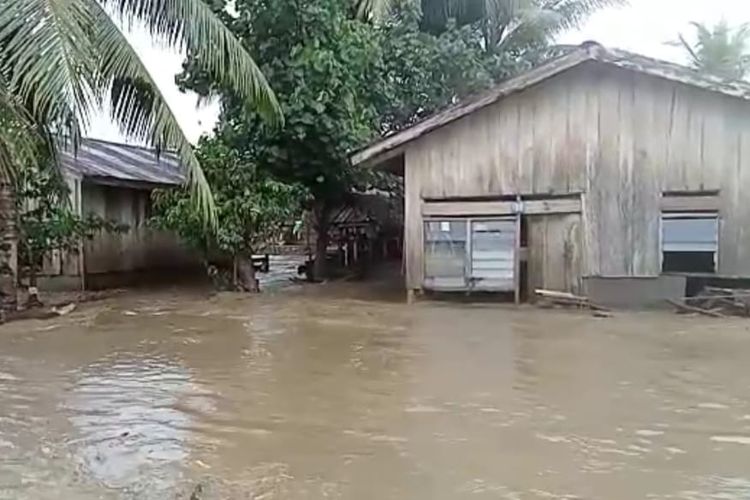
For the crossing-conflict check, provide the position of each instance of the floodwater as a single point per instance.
(327, 393)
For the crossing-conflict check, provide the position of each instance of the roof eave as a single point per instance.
(136, 184)
(374, 153)
(388, 147)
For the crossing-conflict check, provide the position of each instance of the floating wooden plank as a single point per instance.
(687, 308)
(569, 299)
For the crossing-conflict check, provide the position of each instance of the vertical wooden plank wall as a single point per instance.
(621, 138)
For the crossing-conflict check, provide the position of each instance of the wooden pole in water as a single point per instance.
(517, 254)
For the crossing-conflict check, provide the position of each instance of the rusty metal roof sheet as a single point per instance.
(105, 162)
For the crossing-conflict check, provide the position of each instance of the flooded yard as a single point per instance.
(325, 393)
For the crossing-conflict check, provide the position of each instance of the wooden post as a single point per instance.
(517, 253)
(78, 206)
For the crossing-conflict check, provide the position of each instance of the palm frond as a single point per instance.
(682, 42)
(190, 25)
(366, 10)
(720, 49)
(47, 56)
(20, 139)
(571, 14)
(138, 106)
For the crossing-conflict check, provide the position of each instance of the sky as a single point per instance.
(643, 26)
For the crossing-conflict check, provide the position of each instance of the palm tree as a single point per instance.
(506, 24)
(720, 50)
(61, 60)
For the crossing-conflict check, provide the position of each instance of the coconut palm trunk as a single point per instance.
(8, 249)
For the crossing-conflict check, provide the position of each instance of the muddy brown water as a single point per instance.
(328, 393)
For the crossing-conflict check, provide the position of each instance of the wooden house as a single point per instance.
(598, 165)
(115, 182)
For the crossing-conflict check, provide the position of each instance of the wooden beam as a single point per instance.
(691, 203)
(128, 184)
(552, 206)
(688, 308)
(501, 208)
(467, 208)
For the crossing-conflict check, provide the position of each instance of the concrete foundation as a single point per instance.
(634, 292)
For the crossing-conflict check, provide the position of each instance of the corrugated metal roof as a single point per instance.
(365, 209)
(386, 147)
(105, 161)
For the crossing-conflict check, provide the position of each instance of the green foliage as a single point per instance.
(323, 66)
(340, 83)
(252, 209)
(721, 50)
(421, 72)
(347, 71)
(45, 218)
(511, 26)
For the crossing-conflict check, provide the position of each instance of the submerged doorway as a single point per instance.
(501, 246)
(554, 252)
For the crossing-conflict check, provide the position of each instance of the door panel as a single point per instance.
(554, 249)
(493, 246)
(445, 254)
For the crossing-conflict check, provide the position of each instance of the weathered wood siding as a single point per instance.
(140, 247)
(618, 137)
(554, 256)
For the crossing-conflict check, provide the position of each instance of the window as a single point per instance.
(493, 245)
(445, 253)
(690, 242)
(470, 254)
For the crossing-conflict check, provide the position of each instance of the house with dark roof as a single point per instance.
(115, 182)
(600, 171)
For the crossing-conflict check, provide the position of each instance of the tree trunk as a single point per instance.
(33, 300)
(320, 269)
(8, 249)
(244, 276)
(322, 226)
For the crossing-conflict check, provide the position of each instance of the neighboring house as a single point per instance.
(598, 165)
(115, 182)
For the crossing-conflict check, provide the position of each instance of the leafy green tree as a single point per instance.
(507, 27)
(323, 65)
(252, 210)
(46, 220)
(423, 72)
(721, 50)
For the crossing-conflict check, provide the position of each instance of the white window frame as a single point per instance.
(690, 215)
(468, 262)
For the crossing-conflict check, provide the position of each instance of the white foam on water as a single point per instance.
(490, 410)
(713, 406)
(731, 439)
(553, 439)
(649, 433)
(423, 409)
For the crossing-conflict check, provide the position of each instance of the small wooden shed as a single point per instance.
(115, 182)
(598, 164)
